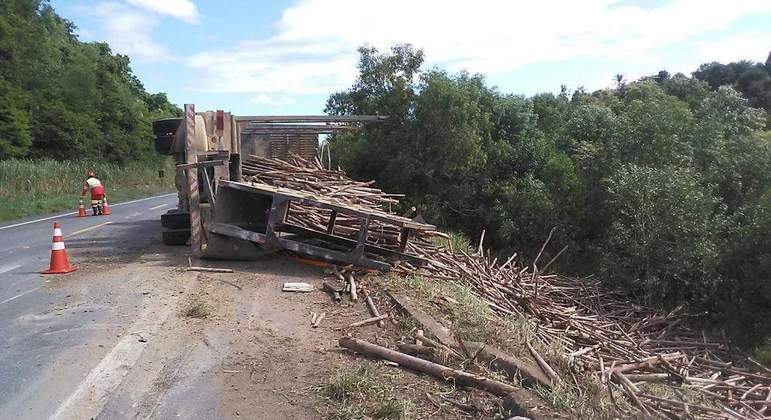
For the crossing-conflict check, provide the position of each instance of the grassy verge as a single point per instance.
(363, 392)
(29, 188)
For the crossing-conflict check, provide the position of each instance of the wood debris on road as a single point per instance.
(297, 287)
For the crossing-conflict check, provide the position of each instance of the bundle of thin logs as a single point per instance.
(311, 177)
(624, 344)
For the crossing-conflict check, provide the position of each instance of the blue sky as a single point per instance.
(286, 57)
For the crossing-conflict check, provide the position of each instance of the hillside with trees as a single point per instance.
(64, 99)
(660, 186)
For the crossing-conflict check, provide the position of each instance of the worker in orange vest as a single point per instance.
(97, 192)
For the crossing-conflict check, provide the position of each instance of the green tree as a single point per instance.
(660, 185)
(65, 99)
(660, 243)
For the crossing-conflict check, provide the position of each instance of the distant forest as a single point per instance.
(65, 99)
(661, 185)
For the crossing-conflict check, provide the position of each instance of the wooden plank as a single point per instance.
(207, 163)
(237, 232)
(404, 237)
(297, 287)
(442, 333)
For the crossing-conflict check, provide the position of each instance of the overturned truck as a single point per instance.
(230, 208)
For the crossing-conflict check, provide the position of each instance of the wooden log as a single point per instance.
(372, 308)
(318, 319)
(352, 285)
(631, 390)
(210, 270)
(415, 349)
(368, 321)
(332, 290)
(434, 369)
(427, 341)
(556, 380)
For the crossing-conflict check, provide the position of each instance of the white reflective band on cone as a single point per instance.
(57, 246)
(57, 232)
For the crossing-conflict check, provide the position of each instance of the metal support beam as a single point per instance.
(331, 225)
(361, 242)
(311, 118)
(196, 237)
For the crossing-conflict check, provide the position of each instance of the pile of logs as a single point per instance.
(624, 344)
(310, 176)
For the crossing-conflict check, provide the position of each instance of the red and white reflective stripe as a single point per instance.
(57, 232)
(57, 246)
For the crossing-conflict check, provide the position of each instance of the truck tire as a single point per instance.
(176, 220)
(176, 237)
(166, 127)
(163, 144)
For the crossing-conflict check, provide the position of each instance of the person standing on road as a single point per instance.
(97, 192)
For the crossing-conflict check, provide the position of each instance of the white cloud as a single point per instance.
(742, 46)
(270, 100)
(128, 31)
(128, 26)
(184, 10)
(314, 50)
(276, 67)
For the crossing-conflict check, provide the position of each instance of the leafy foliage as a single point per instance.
(62, 98)
(661, 185)
(753, 80)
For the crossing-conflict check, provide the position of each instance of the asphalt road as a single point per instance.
(43, 318)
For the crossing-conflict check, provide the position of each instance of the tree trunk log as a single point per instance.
(433, 369)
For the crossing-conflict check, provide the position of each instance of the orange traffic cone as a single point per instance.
(105, 208)
(81, 209)
(59, 262)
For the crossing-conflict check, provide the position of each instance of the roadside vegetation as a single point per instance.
(65, 99)
(361, 392)
(30, 187)
(661, 186)
(66, 105)
(197, 309)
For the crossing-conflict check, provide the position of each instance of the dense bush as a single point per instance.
(661, 186)
(65, 99)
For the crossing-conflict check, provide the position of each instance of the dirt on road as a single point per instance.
(184, 344)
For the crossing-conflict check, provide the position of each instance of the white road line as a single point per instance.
(7, 268)
(20, 295)
(96, 389)
(158, 207)
(74, 212)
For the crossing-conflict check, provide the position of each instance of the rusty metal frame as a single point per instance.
(279, 234)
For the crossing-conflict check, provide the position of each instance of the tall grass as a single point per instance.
(30, 187)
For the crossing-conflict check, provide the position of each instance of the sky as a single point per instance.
(254, 57)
